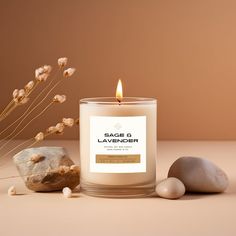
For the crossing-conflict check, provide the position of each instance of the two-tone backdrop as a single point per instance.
(181, 52)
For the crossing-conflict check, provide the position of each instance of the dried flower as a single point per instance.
(11, 191)
(51, 129)
(67, 193)
(62, 61)
(60, 127)
(36, 158)
(21, 93)
(42, 73)
(29, 86)
(69, 72)
(23, 101)
(15, 93)
(69, 122)
(20, 97)
(74, 168)
(63, 169)
(39, 136)
(59, 98)
(47, 68)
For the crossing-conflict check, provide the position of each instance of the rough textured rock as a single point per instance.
(170, 188)
(47, 169)
(199, 175)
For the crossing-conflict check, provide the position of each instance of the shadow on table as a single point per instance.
(231, 190)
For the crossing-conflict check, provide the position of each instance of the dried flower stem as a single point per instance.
(21, 144)
(5, 109)
(8, 111)
(45, 109)
(28, 109)
(32, 110)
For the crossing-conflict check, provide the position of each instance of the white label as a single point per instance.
(117, 144)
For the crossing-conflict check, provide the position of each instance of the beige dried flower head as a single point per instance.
(60, 127)
(39, 136)
(69, 72)
(47, 68)
(23, 101)
(20, 96)
(51, 129)
(59, 98)
(62, 61)
(69, 122)
(15, 93)
(29, 86)
(35, 158)
(42, 73)
(21, 93)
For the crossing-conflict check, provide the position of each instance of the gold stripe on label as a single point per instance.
(118, 159)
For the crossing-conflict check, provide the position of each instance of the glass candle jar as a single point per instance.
(118, 146)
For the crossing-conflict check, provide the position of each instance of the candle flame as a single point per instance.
(119, 92)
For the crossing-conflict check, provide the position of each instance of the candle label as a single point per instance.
(118, 144)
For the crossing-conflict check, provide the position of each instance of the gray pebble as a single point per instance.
(199, 175)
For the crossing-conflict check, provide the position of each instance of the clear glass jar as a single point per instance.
(118, 146)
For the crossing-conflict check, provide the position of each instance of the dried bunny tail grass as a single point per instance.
(60, 128)
(29, 86)
(57, 129)
(59, 98)
(29, 110)
(20, 97)
(42, 73)
(15, 135)
(68, 122)
(39, 136)
(69, 72)
(51, 130)
(62, 62)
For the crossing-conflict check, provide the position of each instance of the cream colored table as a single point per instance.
(46, 214)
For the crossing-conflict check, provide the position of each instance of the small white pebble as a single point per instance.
(67, 192)
(11, 191)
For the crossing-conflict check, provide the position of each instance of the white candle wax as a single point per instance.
(117, 145)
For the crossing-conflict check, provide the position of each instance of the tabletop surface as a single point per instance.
(30, 213)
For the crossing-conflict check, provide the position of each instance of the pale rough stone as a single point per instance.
(51, 172)
(170, 188)
(199, 175)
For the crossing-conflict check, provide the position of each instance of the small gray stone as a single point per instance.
(45, 169)
(199, 175)
(170, 188)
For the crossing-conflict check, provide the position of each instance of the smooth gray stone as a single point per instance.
(52, 171)
(199, 175)
(170, 188)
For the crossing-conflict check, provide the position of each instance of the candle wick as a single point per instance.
(119, 101)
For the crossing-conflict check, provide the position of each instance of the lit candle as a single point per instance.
(118, 145)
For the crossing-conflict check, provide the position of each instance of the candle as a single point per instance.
(118, 145)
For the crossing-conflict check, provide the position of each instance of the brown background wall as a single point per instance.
(181, 52)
